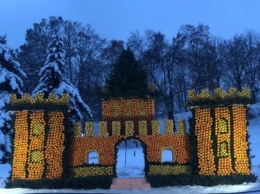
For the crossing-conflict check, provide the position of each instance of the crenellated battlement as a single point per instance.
(105, 145)
(215, 146)
(39, 102)
(142, 127)
(219, 97)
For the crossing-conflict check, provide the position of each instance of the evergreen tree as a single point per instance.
(127, 79)
(53, 81)
(10, 82)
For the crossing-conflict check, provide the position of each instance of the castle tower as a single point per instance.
(131, 109)
(220, 132)
(38, 137)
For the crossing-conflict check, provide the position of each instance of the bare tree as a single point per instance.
(161, 60)
(70, 39)
(236, 61)
(253, 59)
(91, 73)
(198, 49)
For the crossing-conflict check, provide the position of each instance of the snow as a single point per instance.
(66, 87)
(7, 56)
(130, 160)
(10, 82)
(53, 69)
(4, 173)
(135, 165)
(2, 139)
(14, 80)
(6, 74)
(8, 143)
(4, 116)
(254, 139)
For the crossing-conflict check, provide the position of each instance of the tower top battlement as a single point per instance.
(219, 97)
(39, 102)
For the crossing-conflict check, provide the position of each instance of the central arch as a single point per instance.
(130, 158)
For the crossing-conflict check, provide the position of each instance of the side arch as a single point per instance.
(92, 157)
(167, 155)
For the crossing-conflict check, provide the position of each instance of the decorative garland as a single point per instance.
(241, 148)
(94, 170)
(35, 158)
(169, 169)
(203, 124)
(19, 169)
(55, 145)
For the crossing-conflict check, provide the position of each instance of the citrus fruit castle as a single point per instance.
(214, 150)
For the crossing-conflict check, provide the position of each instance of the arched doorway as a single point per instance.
(130, 161)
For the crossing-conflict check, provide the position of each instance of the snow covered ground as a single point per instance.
(131, 164)
(130, 160)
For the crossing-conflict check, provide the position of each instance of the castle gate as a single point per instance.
(130, 159)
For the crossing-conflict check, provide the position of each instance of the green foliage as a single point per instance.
(193, 145)
(92, 182)
(127, 79)
(174, 180)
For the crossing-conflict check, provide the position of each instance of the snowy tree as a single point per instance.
(10, 82)
(53, 81)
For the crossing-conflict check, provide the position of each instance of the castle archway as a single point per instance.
(130, 159)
